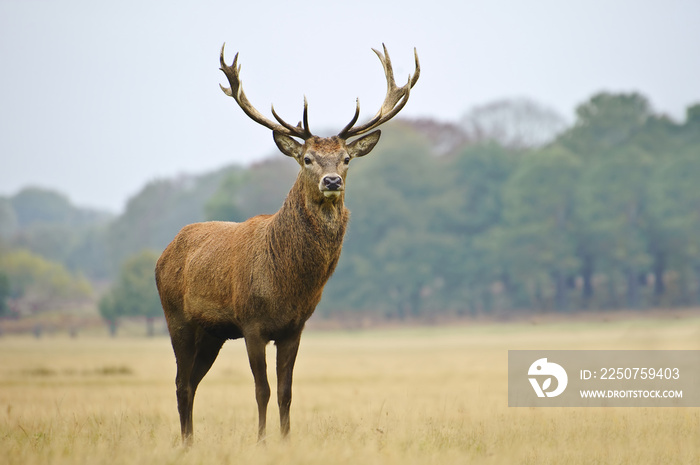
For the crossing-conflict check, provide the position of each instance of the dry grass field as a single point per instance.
(401, 396)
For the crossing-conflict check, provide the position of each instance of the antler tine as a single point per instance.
(396, 97)
(299, 130)
(306, 116)
(353, 120)
(236, 91)
(416, 73)
(388, 68)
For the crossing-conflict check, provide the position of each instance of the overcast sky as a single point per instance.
(98, 98)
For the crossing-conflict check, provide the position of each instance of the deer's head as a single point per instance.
(324, 160)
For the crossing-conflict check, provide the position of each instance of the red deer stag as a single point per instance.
(262, 279)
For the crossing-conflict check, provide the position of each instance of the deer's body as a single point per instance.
(262, 279)
(264, 275)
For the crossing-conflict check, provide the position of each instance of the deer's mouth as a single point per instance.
(332, 194)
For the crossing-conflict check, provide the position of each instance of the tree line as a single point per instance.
(452, 219)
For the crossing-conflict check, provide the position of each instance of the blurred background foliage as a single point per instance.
(509, 210)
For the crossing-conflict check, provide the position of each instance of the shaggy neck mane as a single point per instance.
(308, 235)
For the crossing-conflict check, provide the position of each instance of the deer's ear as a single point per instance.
(287, 145)
(364, 144)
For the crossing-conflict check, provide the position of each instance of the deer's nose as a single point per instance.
(332, 182)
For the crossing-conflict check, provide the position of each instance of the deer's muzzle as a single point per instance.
(331, 185)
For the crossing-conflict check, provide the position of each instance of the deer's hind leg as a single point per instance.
(195, 352)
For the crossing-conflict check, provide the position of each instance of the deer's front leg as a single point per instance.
(256, 356)
(286, 355)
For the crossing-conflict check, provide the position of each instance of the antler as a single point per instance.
(236, 91)
(395, 100)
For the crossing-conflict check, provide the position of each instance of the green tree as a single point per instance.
(154, 216)
(135, 292)
(614, 135)
(35, 205)
(4, 293)
(674, 196)
(612, 220)
(224, 204)
(471, 209)
(260, 189)
(606, 121)
(38, 285)
(111, 311)
(8, 219)
(539, 204)
(48, 224)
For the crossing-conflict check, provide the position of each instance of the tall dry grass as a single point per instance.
(404, 396)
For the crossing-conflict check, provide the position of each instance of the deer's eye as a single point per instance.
(347, 160)
(307, 160)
